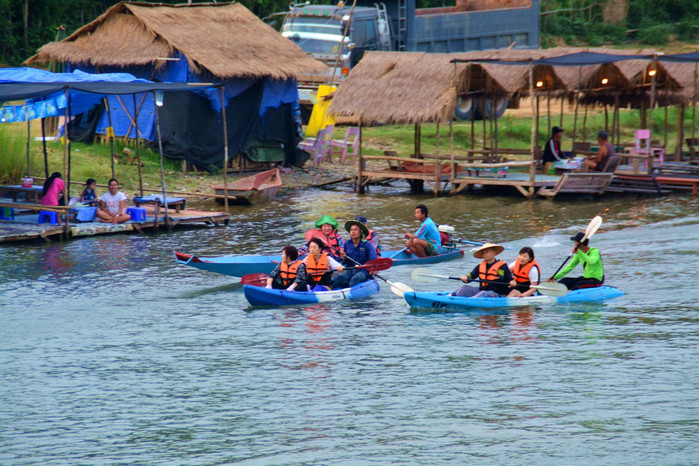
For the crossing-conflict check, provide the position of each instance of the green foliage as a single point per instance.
(658, 34)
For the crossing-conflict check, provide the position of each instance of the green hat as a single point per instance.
(329, 220)
(364, 229)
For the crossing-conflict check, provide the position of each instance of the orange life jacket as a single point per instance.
(489, 274)
(315, 270)
(288, 272)
(333, 243)
(521, 273)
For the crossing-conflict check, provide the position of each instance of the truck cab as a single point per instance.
(337, 35)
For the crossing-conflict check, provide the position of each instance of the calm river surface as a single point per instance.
(112, 353)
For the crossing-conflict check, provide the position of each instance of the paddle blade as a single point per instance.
(422, 274)
(551, 289)
(377, 265)
(592, 227)
(255, 279)
(399, 289)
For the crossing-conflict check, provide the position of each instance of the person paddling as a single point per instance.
(319, 266)
(372, 237)
(489, 271)
(290, 274)
(591, 260)
(356, 251)
(526, 272)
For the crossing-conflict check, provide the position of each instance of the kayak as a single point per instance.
(260, 296)
(237, 266)
(441, 300)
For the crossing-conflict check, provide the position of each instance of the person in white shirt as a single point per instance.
(112, 205)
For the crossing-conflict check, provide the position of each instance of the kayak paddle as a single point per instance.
(590, 230)
(397, 288)
(254, 279)
(548, 289)
(375, 265)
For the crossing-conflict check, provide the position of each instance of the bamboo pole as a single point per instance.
(162, 170)
(110, 132)
(532, 168)
(577, 100)
(29, 140)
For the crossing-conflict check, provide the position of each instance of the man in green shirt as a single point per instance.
(591, 260)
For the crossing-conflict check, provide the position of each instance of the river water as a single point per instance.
(112, 353)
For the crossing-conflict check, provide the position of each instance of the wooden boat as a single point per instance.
(251, 189)
(260, 296)
(237, 266)
(441, 300)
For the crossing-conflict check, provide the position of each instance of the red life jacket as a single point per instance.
(368, 239)
(444, 236)
(489, 274)
(521, 273)
(288, 272)
(333, 243)
(315, 270)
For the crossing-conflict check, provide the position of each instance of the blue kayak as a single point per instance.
(237, 266)
(441, 300)
(260, 296)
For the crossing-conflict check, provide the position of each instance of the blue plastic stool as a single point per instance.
(138, 214)
(46, 216)
(7, 213)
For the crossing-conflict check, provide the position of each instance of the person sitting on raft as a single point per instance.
(591, 260)
(319, 266)
(355, 252)
(290, 274)
(426, 240)
(88, 196)
(328, 226)
(493, 274)
(372, 237)
(112, 207)
(526, 272)
(52, 192)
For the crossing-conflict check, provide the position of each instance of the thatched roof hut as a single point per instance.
(398, 88)
(226, 40)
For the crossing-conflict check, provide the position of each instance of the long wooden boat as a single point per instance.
(251, 189)
(441, 300)
(260, 296)
(237, 266)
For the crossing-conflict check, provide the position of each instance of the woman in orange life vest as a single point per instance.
(489, 271)
(328, 226)
(526, 272)
(290, 274)
(319, 266)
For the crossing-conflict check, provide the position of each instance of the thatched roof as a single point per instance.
(227, 40)
(398, 88)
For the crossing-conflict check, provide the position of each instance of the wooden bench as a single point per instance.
(636, 184)
(675, 181)
(578, 183)
(692, 144)
(177, 203)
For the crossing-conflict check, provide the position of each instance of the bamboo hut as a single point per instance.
(221, 43)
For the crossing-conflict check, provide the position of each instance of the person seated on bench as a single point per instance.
(552, 150)
(598, 162)
(52, 193)
(112, 205)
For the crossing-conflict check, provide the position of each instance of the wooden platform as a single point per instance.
(636, 184)
(25, 226)
(578, 183)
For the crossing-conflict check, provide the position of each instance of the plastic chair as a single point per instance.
(318, 146)
(7, 213)
(642, 147)
(348, 146)
(46, 216)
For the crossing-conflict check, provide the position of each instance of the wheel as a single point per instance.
(464, 108)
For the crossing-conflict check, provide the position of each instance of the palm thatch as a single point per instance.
(398, 88)
(226, 40)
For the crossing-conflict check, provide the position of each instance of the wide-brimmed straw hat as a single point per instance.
(329, 220)
(478, 254)
(362, 227)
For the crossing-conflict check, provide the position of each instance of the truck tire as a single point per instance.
(500, 107)
(464, 108)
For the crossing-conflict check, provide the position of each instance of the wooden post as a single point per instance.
(452, 171)
(361, 163)
(66, 158)
(652, 92)
(437, 140)
(532, 167)
(548, 111)
(110, 132)
(560, 122)
(577, 100)
(680, 133)
(162, 170)
(225, 147)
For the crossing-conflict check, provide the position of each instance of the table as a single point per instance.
(14, 190)
(176, 203)
(568, 166)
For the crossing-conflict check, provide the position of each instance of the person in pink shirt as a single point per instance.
(52, 194)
